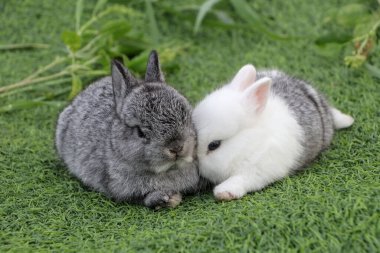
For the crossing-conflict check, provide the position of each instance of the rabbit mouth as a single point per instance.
(187, 159)
(179, 163)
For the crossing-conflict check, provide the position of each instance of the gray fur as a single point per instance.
(128, 138)
(310, 108)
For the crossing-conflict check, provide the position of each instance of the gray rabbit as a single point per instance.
(131, 140)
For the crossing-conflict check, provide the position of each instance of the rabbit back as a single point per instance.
(309, 107)
(83, 129)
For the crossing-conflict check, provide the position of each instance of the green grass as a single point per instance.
(331, 207)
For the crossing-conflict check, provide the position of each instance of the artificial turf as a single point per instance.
(331, 207)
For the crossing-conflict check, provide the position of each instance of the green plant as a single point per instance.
(353, 27)
(112, 31)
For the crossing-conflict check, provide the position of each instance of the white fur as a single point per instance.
(245, 77)
(258, 146)
(341, 120)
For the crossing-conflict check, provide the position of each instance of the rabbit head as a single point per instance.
(154, 118)
(222, 120)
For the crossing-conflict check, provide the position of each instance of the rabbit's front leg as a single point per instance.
(230, 189)
(239, 185)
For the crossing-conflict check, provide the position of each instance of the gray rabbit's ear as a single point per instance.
(153, 69)
(122, 80)
(122, 83)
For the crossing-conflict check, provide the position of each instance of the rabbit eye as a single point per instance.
(140, 133)
(214, 145)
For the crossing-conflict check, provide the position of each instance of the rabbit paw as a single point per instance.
(174, 200)
(225, 196)
(156, 200)
(225, 192)
(159, 199)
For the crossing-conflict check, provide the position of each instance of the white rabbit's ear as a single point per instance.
(258, 93)
(244, 78)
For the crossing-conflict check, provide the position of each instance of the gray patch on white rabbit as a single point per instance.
(118, 132)
(310, 109)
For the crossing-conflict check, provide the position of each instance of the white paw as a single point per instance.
(227, 193)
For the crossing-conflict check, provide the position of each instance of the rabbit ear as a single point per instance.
(153, 69)
(244, 78)
(258, 93)
(122, 81)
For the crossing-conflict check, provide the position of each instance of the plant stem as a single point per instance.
(112, 9)
(26, 82)
(89, 45)
(373, 30)
(362, 45)
(23, 46)
(36, 87)
(57, 61)
(93, 19)
(95, 73)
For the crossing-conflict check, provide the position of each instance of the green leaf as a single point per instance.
(153, 28)
(78, 14)
(76, 86)
(132, 45)
(334, 37)
(72, 40)
(351, 14)
(245, 11)
(375, 71)
(329, 49)
(98, 6)
(366, 25)
(105, 60)
(115, 28)
(138, 63)
(354, 61)
(203, 10)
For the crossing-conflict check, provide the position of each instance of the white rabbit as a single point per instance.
(253, 133)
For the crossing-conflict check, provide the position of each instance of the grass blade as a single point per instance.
(78, 14)
(203, 10)
(244, 10)
(23, 46)
(98, 6)
(223, 17)
(153, 28)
